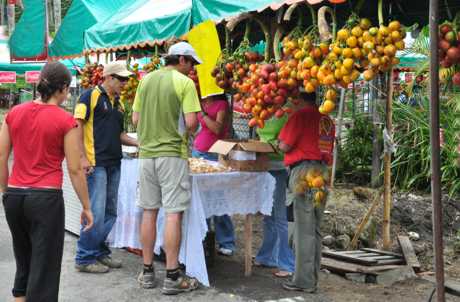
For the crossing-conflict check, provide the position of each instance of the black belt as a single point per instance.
(26, 191)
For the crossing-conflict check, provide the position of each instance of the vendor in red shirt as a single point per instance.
(307, 140)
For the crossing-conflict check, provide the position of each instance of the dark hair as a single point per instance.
(54, 77)
(308, 97)
(174, 59)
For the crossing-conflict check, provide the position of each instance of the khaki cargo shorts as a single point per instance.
(164, 182)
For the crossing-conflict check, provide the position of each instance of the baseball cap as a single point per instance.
(184, 49)
(116, 68)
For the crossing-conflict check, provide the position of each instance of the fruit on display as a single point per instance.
(91, 75)
(128, 93)
(154, 64)
(312, 181)
(449, 53)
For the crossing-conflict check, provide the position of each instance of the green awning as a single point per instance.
(29, 37)
(151, 21)
(21, 68)
(81, 15)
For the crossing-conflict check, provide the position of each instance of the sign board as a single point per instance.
(32, 77)
(8, 77)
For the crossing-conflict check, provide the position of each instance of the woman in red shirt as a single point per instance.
(41, 134)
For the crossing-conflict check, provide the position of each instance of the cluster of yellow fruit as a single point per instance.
(128, 93)
(154, 64)
(315, 180)
(358, 49)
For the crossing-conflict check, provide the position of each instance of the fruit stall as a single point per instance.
(272, 50)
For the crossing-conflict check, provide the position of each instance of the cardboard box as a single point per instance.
(243, 155)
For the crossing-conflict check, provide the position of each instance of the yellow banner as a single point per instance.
(205, 41)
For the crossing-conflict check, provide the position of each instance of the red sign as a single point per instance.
(7, 77)
(32, 77)
(13, 2)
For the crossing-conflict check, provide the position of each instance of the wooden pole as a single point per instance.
(435, 152)
(387, 166)
(338, 135)
(376, 148)
(362, 224)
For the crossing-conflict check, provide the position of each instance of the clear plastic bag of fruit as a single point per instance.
(310, 180)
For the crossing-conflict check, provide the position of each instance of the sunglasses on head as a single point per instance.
(120, 78)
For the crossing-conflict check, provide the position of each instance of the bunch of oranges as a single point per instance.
(153, 65)
(91, 75)
(128, 93)
(313, 180)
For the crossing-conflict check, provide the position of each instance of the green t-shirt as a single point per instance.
(269, 134)
(162, 99)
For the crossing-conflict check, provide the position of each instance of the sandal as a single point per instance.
(282, 274)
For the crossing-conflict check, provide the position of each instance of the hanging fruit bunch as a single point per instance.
(313, 181)
(449, 52)
(154, 64)
(91, 75)
(231, 70)
(128, 93)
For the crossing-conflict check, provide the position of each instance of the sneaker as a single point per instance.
(224, 251)
(183, 284)
(93, 268)
(289, 285)
(147, 279)
(108, 261)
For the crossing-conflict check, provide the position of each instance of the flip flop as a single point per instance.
(282, 274)
(257, 264)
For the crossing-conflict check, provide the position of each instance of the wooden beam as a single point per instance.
(342, 267)
(363, 223)
(409, 253)
(387, 166)
(350, 258)
(382, 252)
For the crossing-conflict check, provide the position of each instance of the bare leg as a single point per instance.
(20, 299)
(172, 237)
(148, 234)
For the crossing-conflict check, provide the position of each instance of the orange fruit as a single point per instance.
(395, 35)
(324, 48)
(375, 61)
(319, 197)
(368, 74)
(329, 79)
(343, 34)
(310, 87)
(331, 94)
(394, 61)
(337, 74)
(354, 75)
(344, 71)
(352, 41)
(337, 50)
(328, 107)
(321, 110)
(356, 52)
(384, 31)
(300, 187)
(394, 25)
(400, 45)
(318, 181)
(368, 45)
(308, 62)
(390, 50)
(357, 31)
(347, 53)
(332, 57)
(380, 49)
(314, 71)
(348, 63)
(347, 79)
(373, 31)
(365, 23)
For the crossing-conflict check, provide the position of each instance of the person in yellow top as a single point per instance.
(99, 115)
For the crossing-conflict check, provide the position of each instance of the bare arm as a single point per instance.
(5, 149)
(218, 125)
(81, 143)
(135, 118)
(72, 150)
(191, 122)
(128, 140)
(284, 147)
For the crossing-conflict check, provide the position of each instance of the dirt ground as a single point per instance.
(410, 213)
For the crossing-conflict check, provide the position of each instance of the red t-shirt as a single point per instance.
(37, 134)
(302, 133)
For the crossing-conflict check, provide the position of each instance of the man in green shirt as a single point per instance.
(165, 110)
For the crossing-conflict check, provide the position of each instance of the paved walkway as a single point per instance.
(120, 285)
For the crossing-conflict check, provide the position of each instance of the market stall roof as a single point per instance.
(21, 68)
(149, 22)
(29, 39)
(81, 15)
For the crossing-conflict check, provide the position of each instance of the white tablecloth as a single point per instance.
(212, 194)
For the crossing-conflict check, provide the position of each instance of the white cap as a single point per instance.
(184, 49)
(117, 68)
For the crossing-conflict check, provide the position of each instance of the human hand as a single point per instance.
(86, 166)
(86, 219)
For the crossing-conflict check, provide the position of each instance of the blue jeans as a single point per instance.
(225, 234)
(275, 250)
(103, 193)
